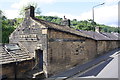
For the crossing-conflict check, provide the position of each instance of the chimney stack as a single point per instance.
(29, 12)
(97, 29)
(65, 18)
(66, 22)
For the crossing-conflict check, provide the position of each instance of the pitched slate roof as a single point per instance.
(88, 34)
(101, 35)
(51, 25)
(95, 35)
(111, 36)
(12, 56)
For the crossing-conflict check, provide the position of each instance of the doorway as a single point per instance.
(39, 58)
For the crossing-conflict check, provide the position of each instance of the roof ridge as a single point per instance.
(56, 26)
(47, 21)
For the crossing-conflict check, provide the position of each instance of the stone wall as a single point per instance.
(67, 50)
(32, 35)
(105, 46)
(22, 67)
(61, 50)
(27, 35)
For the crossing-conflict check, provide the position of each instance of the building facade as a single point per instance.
(55, 47)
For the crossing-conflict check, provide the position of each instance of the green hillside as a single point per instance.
(83, 25)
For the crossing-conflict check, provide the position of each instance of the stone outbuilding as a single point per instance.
(14, 61)
(55, 47)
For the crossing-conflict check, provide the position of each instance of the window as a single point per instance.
(12, 47)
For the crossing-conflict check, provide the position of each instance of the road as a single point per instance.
(105, 69)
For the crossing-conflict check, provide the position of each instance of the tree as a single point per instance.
(38, 11)
(1, 13)
(6, 29)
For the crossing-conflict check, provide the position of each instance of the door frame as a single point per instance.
(39, 58)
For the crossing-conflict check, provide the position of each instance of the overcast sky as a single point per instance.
(73, 9)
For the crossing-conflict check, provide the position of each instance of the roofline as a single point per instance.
(35, 19)
(85, 36)
(107, 40)
(12, 62)
(70, 33)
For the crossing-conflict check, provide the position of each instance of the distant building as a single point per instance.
(54, 48)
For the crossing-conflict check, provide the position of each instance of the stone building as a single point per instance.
(55, 47)
(14, 61)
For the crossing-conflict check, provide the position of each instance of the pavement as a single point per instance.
(105, 69)
(105, 66)
(110, 70)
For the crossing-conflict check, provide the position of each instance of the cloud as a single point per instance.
(107, 15)
(10, 14)
(104, 15)
(21, 3)
(69, 16)
(111, 1)
(17, 5)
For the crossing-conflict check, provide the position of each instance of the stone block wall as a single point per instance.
(32, 35)
(66, 50)
(27, 35)
(22, 67)
(61, 50)
(105, 46)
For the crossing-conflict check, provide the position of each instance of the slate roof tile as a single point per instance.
(87, 34)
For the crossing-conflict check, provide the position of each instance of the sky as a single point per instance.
(73, 9)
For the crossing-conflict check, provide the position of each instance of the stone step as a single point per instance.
(36, 74)
(33, 73)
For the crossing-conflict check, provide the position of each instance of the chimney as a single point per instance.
(29, 11)
(66, 22)
(97, 29)
(65, 18)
